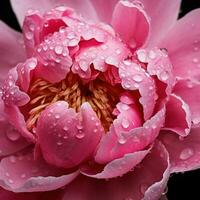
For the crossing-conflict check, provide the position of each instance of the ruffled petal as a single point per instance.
(134, 77)
(163, 16)
(11, 49)
(178, 117)
(184, 152)
(135, 29)
(184, 48)
(117, 167)
(22, 173)
(148, 181)
(68, 138)
(83, 7)
(189, 92)
(116, 143)
(11, 140)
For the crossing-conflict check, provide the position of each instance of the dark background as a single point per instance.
(182, 186)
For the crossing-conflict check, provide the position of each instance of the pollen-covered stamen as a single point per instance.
(101, 96)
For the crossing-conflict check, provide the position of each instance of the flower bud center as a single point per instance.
(100, 95)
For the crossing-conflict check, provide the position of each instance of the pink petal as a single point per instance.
(5, 194)
(178, 118)
(117, 167)
(22, 173)
(163, 16)
(68, 138)
(134, 77)
(116, 143)
(11, 49)
(184, 48)
(184, 152)
(147, 181)
(10, 139)
(104, 9)
(159, 65)
(135, 29)
(189, 92)
(85, 8)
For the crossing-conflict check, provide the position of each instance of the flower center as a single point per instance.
(100, 95)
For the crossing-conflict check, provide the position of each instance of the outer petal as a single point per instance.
(184, 48)
(117, 167)
(5, 194)
(184, 152)
(189, 92)
(21, 173)
(147, 181)
(134, 30)
(10, 139)
(84, 7)
(178, 118)
(68, 138)
(163, 16)
(115, 144)
(11, 49)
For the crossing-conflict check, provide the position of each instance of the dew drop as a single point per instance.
(164, 75)
(23, 176)
(125, 107)
(80, 134)
(125, 123)
(57, 116)
(65, 128)
(137, 78)
(142, 56)
(118, 51)
(10, 181)
(104, 47)
(58, 50)
(122, 140)
(12, 134)
(195, 60)
(59, 143)
(28, 35)
(186, 153)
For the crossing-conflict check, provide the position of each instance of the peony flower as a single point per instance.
(103, 104)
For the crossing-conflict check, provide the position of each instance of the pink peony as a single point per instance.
(103, 105)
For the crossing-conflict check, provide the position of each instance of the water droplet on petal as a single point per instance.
(12, 159)
(12, 134)
(23, 176)
(28, 35)
(122, 140)
(186, 153)
(59, 143)
(125, 123)
(137, 78)
(164, 75)
(80, 134)
(58, 50)
(195, 60)
(10, 181)
(125, 107)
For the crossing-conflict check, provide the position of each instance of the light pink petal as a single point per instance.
(68, 138)
(189, 92)
(117, 167)
(184, 48)
(11, 49)
(163, 16)
(10, 139)
(135, 29)
(24, 73)
(116, 143)
(85, 8)
(184, 152)
(104, 9)
(134, 77)
(22, 173)
(148, 181)
(158, 64)
(178, 117)
(54, 195)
